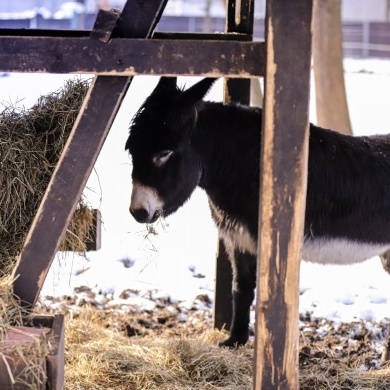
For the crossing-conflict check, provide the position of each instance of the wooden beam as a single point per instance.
(239, 20)
(55, 359)
(284, 154)
(94, 243)
(136, 15)
(129, 57)
(104, 25)
(72, 171)
(35, 33)
(240, 15)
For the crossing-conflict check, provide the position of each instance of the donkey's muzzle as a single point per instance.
(140, 215)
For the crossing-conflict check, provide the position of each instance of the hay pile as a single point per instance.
(333, 374)
(99, 358)
(31, 142)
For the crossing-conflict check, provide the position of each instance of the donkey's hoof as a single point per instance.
(232, 343)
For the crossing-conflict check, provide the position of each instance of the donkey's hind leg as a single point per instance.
(244, 284)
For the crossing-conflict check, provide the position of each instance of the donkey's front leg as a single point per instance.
(244, 284)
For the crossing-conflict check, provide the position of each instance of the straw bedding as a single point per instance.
(118, 346)
(100, 356)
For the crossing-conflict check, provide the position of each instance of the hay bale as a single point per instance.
(31, 142)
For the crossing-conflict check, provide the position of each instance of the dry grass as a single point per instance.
(102, 358)
(79, 229)
(99, 358)
(31, 142)
(335, 375)
(11, 314)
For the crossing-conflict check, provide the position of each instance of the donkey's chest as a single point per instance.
(232, 230)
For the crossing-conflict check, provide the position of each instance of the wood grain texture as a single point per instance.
(56, 359)
(104, 25)
(129, 57)
(139, 18)
(284, 153)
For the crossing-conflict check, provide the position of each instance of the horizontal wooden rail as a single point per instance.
(34, 33)
(130, 57)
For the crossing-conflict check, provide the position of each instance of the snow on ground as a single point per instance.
(180, 260)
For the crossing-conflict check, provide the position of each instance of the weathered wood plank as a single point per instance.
(104, 25)
(34, 33)
(69, 178)
(37, 32)
(136, 15)
(56, 359)
(284, 153)
(237, 90)
(197, 36)
(129, 57)
(94, 243)
(240, 16)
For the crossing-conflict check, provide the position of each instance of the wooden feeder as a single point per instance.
(118, 48)
(15, 367)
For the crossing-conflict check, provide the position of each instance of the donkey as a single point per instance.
(178, 141)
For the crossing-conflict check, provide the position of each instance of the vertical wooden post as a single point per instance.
(239, 19)
(284, 153)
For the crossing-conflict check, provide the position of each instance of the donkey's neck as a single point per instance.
(228, 144)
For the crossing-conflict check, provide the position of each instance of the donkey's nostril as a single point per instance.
(140, 215)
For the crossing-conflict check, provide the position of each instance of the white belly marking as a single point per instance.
(340, 251)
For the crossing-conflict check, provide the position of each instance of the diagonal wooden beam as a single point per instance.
(139, 18)
(74, 167)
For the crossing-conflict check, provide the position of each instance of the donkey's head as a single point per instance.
(166, 166)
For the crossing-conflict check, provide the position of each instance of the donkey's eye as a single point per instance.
(161, 158)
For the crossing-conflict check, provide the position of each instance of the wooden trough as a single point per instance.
(118, 48)
(16, 372)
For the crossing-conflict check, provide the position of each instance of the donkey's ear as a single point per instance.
(197, 92)
(166, 84)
